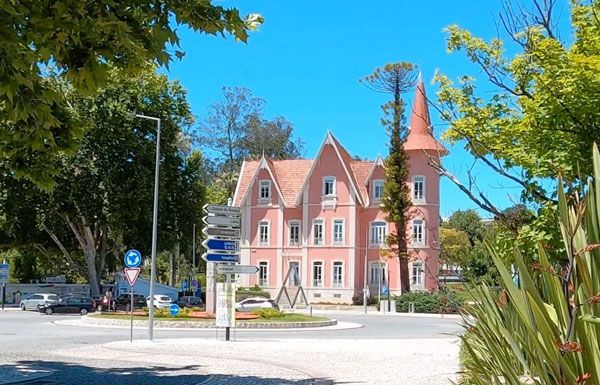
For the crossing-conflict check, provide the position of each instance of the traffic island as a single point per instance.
(204, 321)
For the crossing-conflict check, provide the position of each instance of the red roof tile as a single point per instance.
(247, 172)
(290, 175)
(361, 170)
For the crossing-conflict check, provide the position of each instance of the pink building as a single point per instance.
(321, 218)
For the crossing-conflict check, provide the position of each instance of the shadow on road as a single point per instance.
(55, 373)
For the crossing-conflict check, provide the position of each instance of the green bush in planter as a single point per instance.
(268, 313)
(427, 302)
(245, 292)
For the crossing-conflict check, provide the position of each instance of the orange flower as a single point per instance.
(582, 378)
(569, 346)
(595, 299)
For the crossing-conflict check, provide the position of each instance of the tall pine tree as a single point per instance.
(395, 79)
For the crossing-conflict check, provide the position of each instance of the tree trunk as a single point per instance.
(403, 263)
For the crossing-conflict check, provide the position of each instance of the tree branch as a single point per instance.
(62, 248)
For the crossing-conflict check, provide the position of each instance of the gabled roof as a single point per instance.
(362, 172)
(291, 175)
(247, 179)
(344, 158)
(420, 135)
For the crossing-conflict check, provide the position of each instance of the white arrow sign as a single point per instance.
(222, 210)
(236, 269)
(222, 221)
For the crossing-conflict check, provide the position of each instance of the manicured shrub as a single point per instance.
(427, 302)
(268, 313)
(358, 300)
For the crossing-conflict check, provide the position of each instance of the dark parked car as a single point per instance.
(123, 302)
(189, 301)
(81, 305)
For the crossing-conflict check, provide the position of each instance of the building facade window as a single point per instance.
(318, 273)
(418, 232)
(329, 186)
(418, 189)
(264, 195)
(338, 274)
(294, 233)
(263, 274)
(418, 273)
(377, 190)
(318, 232)
(378, 233)
(263, 233)
(378, 273)
(338, 231)
(294, 274)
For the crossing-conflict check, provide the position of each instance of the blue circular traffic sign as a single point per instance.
(174, 309)
(133, 258)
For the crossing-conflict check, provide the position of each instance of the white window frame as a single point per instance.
(291, 224)
(267, 225)
(377, 183)
(322, 238)
(333, 192)
(422, 180)
(381, 267)
(264, 183)
(263, 281)
(341, 241)
(416, 241)
(317, 282)
(335, 282)
(379, 224)
(418, 273)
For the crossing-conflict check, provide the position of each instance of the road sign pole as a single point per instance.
(131, 310)
(3, 294)
(227, 328)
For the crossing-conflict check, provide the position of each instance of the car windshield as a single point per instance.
(164, 298)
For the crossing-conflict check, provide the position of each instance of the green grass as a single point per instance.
(284, 318)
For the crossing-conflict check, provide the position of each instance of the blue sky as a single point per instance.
(306, 59)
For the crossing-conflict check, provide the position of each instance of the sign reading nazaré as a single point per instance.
(225, 317)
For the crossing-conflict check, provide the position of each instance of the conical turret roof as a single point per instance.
(420, 135)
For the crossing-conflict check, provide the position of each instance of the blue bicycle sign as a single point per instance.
(133, 258)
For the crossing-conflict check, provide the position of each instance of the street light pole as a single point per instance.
(154, 226)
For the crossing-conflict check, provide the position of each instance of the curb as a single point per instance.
(91, 320)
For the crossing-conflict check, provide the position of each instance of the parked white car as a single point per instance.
(160, 301)
(37, 300)
(254, 303)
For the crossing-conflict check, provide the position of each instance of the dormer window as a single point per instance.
(377, 190)
(329, 186)
(264, 194)
(418, 189)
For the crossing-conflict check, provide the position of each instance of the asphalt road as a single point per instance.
(29, 339)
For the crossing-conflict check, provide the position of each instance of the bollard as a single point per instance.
(311, 310)
(411, 307)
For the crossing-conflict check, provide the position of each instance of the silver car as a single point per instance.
(37, 300)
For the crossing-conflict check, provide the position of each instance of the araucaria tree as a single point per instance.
(395, 79)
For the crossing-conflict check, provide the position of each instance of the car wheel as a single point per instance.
(49, 311)
(23, 307)
(83, 311)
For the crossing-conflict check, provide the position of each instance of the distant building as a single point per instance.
(318, 218)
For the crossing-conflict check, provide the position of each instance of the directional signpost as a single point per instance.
(3, 279)
(222, 244)
(132, 259)
(236, 269)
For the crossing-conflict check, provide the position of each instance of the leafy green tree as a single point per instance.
(469, 222)
(543, 115)
(235, 129)
(454, 246)
(103, 200)
(395, 79)
(83, 41)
